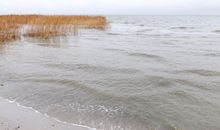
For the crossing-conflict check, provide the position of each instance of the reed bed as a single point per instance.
(12, 27)
(50, 31)
(8, 32)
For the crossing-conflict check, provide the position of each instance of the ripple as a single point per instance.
(144, 30)
(213, 54)
(93, 68)
(216, 31)
(113, 34)
(138, 55)
(141, 25)
(145, 55)
(202, 72)
(182, 28)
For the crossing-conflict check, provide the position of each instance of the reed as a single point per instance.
(45, 26)
(8, 32)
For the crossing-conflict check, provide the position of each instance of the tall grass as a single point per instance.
(8, 32)
(45, 26)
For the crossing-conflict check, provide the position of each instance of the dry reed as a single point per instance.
(46, 26)
(8, 32)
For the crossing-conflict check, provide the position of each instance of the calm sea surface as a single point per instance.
(141, 73)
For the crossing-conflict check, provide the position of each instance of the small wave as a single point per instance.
(216, 31)
(45, 115)
(185, 96)
(93, 68)
(127, 22)
(93, 38)
(202, 72)
(213, 54)
(182, 28)
(114, 50)
(160, 35)
(136, 54)
(93, 108)
(144, 30)
(144, 55)
(113, 34)
(141, 25)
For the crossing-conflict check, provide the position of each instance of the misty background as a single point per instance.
(111, 7)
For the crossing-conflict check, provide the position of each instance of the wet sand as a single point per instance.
(14, 117)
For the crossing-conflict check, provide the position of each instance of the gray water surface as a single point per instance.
(141, 73)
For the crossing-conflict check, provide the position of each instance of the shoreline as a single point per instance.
(16, 117)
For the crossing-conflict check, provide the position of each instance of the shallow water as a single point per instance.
(142, 72)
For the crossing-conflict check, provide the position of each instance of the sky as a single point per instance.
(111, 7)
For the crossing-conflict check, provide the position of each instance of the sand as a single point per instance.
(15, 117)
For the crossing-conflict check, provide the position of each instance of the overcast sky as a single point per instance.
(114, 7)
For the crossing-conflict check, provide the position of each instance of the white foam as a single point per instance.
(45, 115)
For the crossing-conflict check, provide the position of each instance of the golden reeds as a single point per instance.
(46, 26)
(8, 32)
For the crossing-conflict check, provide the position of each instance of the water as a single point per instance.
(142, 72)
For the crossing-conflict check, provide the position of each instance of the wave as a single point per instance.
(43, 114)
(145, 55)
(216, 31)
(137, 54)
(93, 68)
(212, 54)
(113, 34)
(202, 72)
(93, 38)
(182, 27)
(144, 30)
(141, 25)
(159, 35)
(118, 108)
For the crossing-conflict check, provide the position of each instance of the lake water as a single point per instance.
(141, 73)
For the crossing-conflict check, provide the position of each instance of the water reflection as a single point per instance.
(57, 41)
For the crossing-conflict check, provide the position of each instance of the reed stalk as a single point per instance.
(45, 26)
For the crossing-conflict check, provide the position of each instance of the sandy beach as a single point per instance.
(15, 117)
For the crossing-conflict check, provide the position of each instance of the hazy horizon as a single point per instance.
(111, 7)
